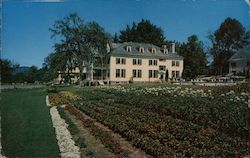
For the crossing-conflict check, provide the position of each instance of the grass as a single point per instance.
(27, 129)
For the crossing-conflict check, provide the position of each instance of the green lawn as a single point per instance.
(27, 129)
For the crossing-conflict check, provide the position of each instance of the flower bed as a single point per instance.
(66, 145)
(105, 136)
(174, 120)
(63, 98)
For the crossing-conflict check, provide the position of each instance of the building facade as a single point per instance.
(141, 62)
(239, 63)
(136, 62)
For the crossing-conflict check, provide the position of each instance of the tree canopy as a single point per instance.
(144, 32)
(79, 42)
(195, 60)
(6, 70)
(226, 40)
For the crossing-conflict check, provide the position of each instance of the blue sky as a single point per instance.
(26, 39)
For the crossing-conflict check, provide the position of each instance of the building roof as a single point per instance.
(119, 49)
(242, 54)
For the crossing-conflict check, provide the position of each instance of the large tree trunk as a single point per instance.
(90, 69)
(102, 77)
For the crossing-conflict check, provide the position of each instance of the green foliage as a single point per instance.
(226, 40)
(78, 43)
(144, 32)
(194, 57)
(32, 75)
(72, 127)
(6, 70)
(81, 142)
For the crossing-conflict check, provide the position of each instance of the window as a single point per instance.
(134, 61)
(120, 61)
(120, 73)
(165, 51)
(173, 63)
(161, 59)
(153, 73)
(152, 62)
(137, 61)
(177, 73)
(128, 48)
(137, 73)
(173, 74)
(177, 63)
(117, 73)
(141, 49)
(123, 74)
(150, 74)
(233, 65)
(123, 61)
(134, 73)
(162, 67)
(155, 62)
(153, 50)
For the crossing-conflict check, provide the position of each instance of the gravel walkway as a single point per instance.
(65, 142)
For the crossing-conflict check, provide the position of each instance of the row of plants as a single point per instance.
(103, 135)
(220, 112)
(79, 139)
(63, 97)
(159, 135)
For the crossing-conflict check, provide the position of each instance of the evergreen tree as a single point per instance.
(143, 32)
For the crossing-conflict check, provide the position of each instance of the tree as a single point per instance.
(80, 42)
(144, 31)
(6, 70)
(115, 38)
(226, 40)
(96, 41)
(194, 57)
(55, 62)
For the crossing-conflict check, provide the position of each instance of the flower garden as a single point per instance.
(165, 120)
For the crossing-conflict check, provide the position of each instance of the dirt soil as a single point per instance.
(98, 147)
(92, 143)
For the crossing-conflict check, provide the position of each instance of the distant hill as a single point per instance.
(21, 69)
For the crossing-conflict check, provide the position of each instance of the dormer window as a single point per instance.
(128, 48)
(165, 51)
(141, 49)
(153, 50)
